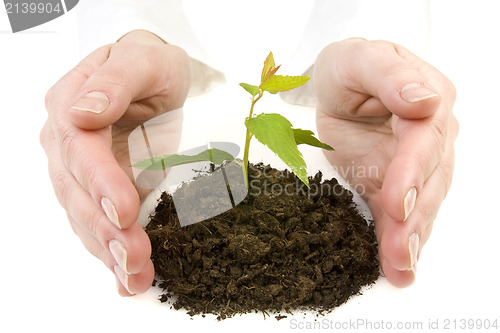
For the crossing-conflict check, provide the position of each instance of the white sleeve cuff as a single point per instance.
(402, 22)
(104, 22)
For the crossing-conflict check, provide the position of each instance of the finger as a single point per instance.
(92, 245)
(135, 283)
(88, 156)
(397, 278)
(421, 147)
(358, 78)
(400, 244)
(130, 73)
(402, 276)
(128, 284)
(130, 247)
(122, 291)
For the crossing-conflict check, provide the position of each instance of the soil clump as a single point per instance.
(285, 247)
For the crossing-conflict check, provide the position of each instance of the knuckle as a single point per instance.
(426, 232)
(177, 80)
(360, 50)
(439, 127)
(44, 136)
(73, 224)
(446, 172)
(178, 53)
(91, 175)
(93, 222)
(371, 47)
(451, 90)
(423, 161)
(98, 225)
(429, 212)
(147, 57)
(398, 49)
(439, 131)
(114, 77)
(61, 184)
(149, 54)
(91, 219)
(68, 140)
(85, 172)
(49, 97)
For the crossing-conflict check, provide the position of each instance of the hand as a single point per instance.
(91, 111)
(389, 116)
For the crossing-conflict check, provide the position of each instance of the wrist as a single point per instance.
(142, 37)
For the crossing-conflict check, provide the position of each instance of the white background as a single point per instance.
(49, 282)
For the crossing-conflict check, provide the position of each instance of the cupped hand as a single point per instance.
(91, 111)
(389, 116)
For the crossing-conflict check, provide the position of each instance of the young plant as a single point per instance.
(274, 130)
(271, 129)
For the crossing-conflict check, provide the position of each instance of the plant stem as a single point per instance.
(249, 137)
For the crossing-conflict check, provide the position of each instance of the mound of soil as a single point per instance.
(284, 247)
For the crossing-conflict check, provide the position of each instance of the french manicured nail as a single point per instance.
(94, 102)
(413, 245)
(409, 202)
(416, 92)
(110, 211)
(123, 277)
(118, 287)
(119, 253)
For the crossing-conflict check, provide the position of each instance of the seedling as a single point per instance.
(271, 129)
(248, 234)
(274, 130)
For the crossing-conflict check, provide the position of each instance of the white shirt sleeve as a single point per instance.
(403, 22)
(103, 22)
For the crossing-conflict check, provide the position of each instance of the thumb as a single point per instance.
(359, 78)
(129, 73)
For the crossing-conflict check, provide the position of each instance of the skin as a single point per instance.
(141, 77)
(88, 154)
(407, 136)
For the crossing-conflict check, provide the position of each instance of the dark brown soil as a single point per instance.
(272, 253)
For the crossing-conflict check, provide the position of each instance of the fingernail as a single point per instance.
(119, 253)
(413, 245)
(94, 102)
(416, 92)
(118, 287)
(110, 211)
(123, 277)
(409, 202)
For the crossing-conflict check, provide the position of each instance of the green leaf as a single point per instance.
(253, 90)
(279, 83)
(213, 155)
(269, 68)
(307, 137)
(275, 131)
